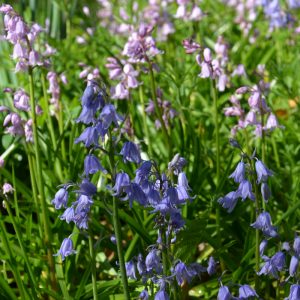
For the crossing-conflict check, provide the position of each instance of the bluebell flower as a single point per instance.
(122, 182)
(171, 197)
(130, 270)
(265, 191)
(68, 214)
(130, 152)
(176, 219)
(86, 116)
(262, 171)
(182, 181)
(224, 293)
(143, 172)
(273, 265)
(153, 262)
(245, 190)
(153, 197)
(164, 207)
(286, 246)
(294, 4)
(212, 266)
(294, 292)
(294, 263)
(90, 136)
(176, 164)
(88, 95)
(229, 201)
(263, 223)
(296, 246)
(182, 194)
(161, 295)
(87, 188)
(109, 115)
(134, 192)
(66, 249)
(239, 173)
(183, 273)
(141, 266)
(262, 247)
(61, 198)
(83, 206)
(246, 291)
(92, 165)
(144, 295)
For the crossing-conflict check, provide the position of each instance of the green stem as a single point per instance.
(40, 185)
(13, 263)
(93, 265)
(116, 223)
(19, 238)
(164, 252)
(158, 109)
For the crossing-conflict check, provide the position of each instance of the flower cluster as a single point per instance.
(245, 292)
(188, 11)
(22, 37)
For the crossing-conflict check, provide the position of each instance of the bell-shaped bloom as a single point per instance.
(296, 246)
(229, 201)
(294, 292)
(273, 265)
(246, 291)
(109, 115)
(239, 173)
(144, 295)
(130, 152)
(293, 266)
(134, 192)
(265, 191)
(122, 182)
(176, 164)
(262, 171)
(262, 246)
(87, 188)
(212, 266)
(92, 165)
(131, 270)
(263, 223)
(272, 123)
(68, 214)
(153, 262)
(224, 293)
(66, 248)
(90, 136)
(183, 273)
(143, 172)
(182, 181)
(245, 190)
(161, 295)
(60, 199)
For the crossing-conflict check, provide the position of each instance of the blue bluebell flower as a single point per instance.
(161, 295)
(122, 182)
(143, 172)
(239, 173)
(263, 223)
(144, 295)
(134, 192)
(176, 219)
(182, 181)
(245, 190)
(130, 152)
(229, 201)
(88, 95)
(87, 188)
(294, 263)
(246, 291)
(176, 164)
(153, 197)
(286, 246)
(86, 116)
(92, 165)
(130, 270)
(141, 266)
(153, 262)
(61, 198)
(90, 136)
(68, 214)
(66, 249)
(294, 4)
(294, 292)
(265, 191)
(212, 266)
(296, 246)
(262, 171)
(273, 265)
(171, 196)
(262, 247)
(183, 273)
(109, 115)
(224, 293)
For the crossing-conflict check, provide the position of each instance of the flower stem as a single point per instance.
(40, 184)
(93, 266)
(116, 223)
